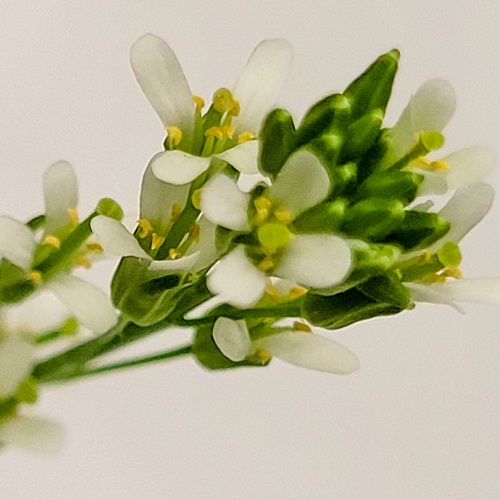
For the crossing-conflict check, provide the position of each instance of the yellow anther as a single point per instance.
(73, 215)
(82, 261)
(216, 132)
(53, 241)
(200, 103)
(176, 211)
(283, 215)
(296, 292)
(235, 110)
(35, 276)
(173, 254)
(454, 272)
(261, 356)
(196, 199)
(440, 165)
(266, 264)
(194, 233)
(145, 227)
(174, 135)
(94, 248)
(228, 131)
(263, 207)
(156, 241)
(301, 327)
(224, 101)
(271, 290)
(245, 137)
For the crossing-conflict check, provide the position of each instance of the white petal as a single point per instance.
(206, 245)
(16, 360)
(60, 191)
(310, 351)
(236, 279)
(243, 157)
(302, 183)
(88, 304)
(16, 242)
(468, 166)
(182, 264)
(158, 198)
(224, 204)
(177, 167)
(232, 338)
(115, 238)
(466, 209)
(428, 292)
(260, 84)
(32, 433)
(162, 80)
(315, 260)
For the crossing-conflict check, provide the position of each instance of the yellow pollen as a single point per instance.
(440, 165)
(296, 292)
(156, 241)
(35, 276)
(262, 356)
(216, 132)
(176, 211)
(94, 248)
(263, 206)
(73, 215)
(283, 215)
(301, 327)
(266, 264)
(174, 135)
(200, 103)
(245, 137)
(146, 228)
(82, 261)
(194, 233)
(53, 241)
(173, 254)
(228, 131)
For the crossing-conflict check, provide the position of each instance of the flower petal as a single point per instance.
(315, 260)
(468, 166)
(16, 360)
(163, 82)
(16, 242)
(224, 204)
(310, 351)
(232, 338)
(261, 82)
(115, 238)
(32, 433)
(88, 304)
(302, 183)
(177, 167)
(60, 190)
(182, 264)
(243, 157)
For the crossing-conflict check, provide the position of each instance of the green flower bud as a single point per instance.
(362, 134)
(109, 208)
(401, 185)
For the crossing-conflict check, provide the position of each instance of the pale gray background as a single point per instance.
(420, 420)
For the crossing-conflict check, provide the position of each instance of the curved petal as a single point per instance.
(224, 204)
(177, 167)
(315, 260)
(310, 351)
(60, 191)
(302, 183)
(182, 264)
(115, 238)
(16, 242)
(468, 166)
(16, 360)
(243, 157)
(89, 305)
(232, 338)
(32, 433)
(162, 80)
(261, 82)
(206, 245)
(158, 198)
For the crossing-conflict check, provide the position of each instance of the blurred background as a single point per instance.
(419, 420)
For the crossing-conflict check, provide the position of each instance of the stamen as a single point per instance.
(263, 206)
(174, 254)
(271, 290)
(245, 137)
(440, 165)
(301, 327)
(94, 248)
(53, 241)
(216, 132)
(262, 356)
(228, 131)
(196, 199)
(224, 102)
(200, 103)
(194, 233)
(83, 261)
(266, 264)
(156, 241)
(73, 215)
(174, 135)
(35, 276)
(146, 228)
(296, 292)
(176, 211)
(283, 215)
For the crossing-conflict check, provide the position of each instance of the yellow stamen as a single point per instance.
(146, 228)
(73, 215)
(215, 132)
(82, 261)
(94, 248)
(200, 103)
(235, 110)
(266, 264)
(174, 135)
(296, 292)
(35, 276)
(228, 131)
(262, 356)
(173, 254)
(53, 241)
(440, 165)
(156, 241)
(283, 215)
(245, 137)
(271, 290)
(224, 101)
(196, 199)
(194, 233)
(263, 206)
(301, 327)
(176, 211)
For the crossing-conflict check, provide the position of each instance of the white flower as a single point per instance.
(311, 260)
(162, 80)
(301, 348)
(17, 242)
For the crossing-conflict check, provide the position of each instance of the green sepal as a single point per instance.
(36, 222)
(145, 297)
(327, 147)
(372, 89)
(343, 309)
(400, 184)
(13, 283)
(277, 141)
(361, 135)
(419, 229)
(386, 288)
(373, 218)
(324, 218)
(326, 116)
(109, 208)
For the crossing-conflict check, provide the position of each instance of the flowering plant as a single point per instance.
(255, 230)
